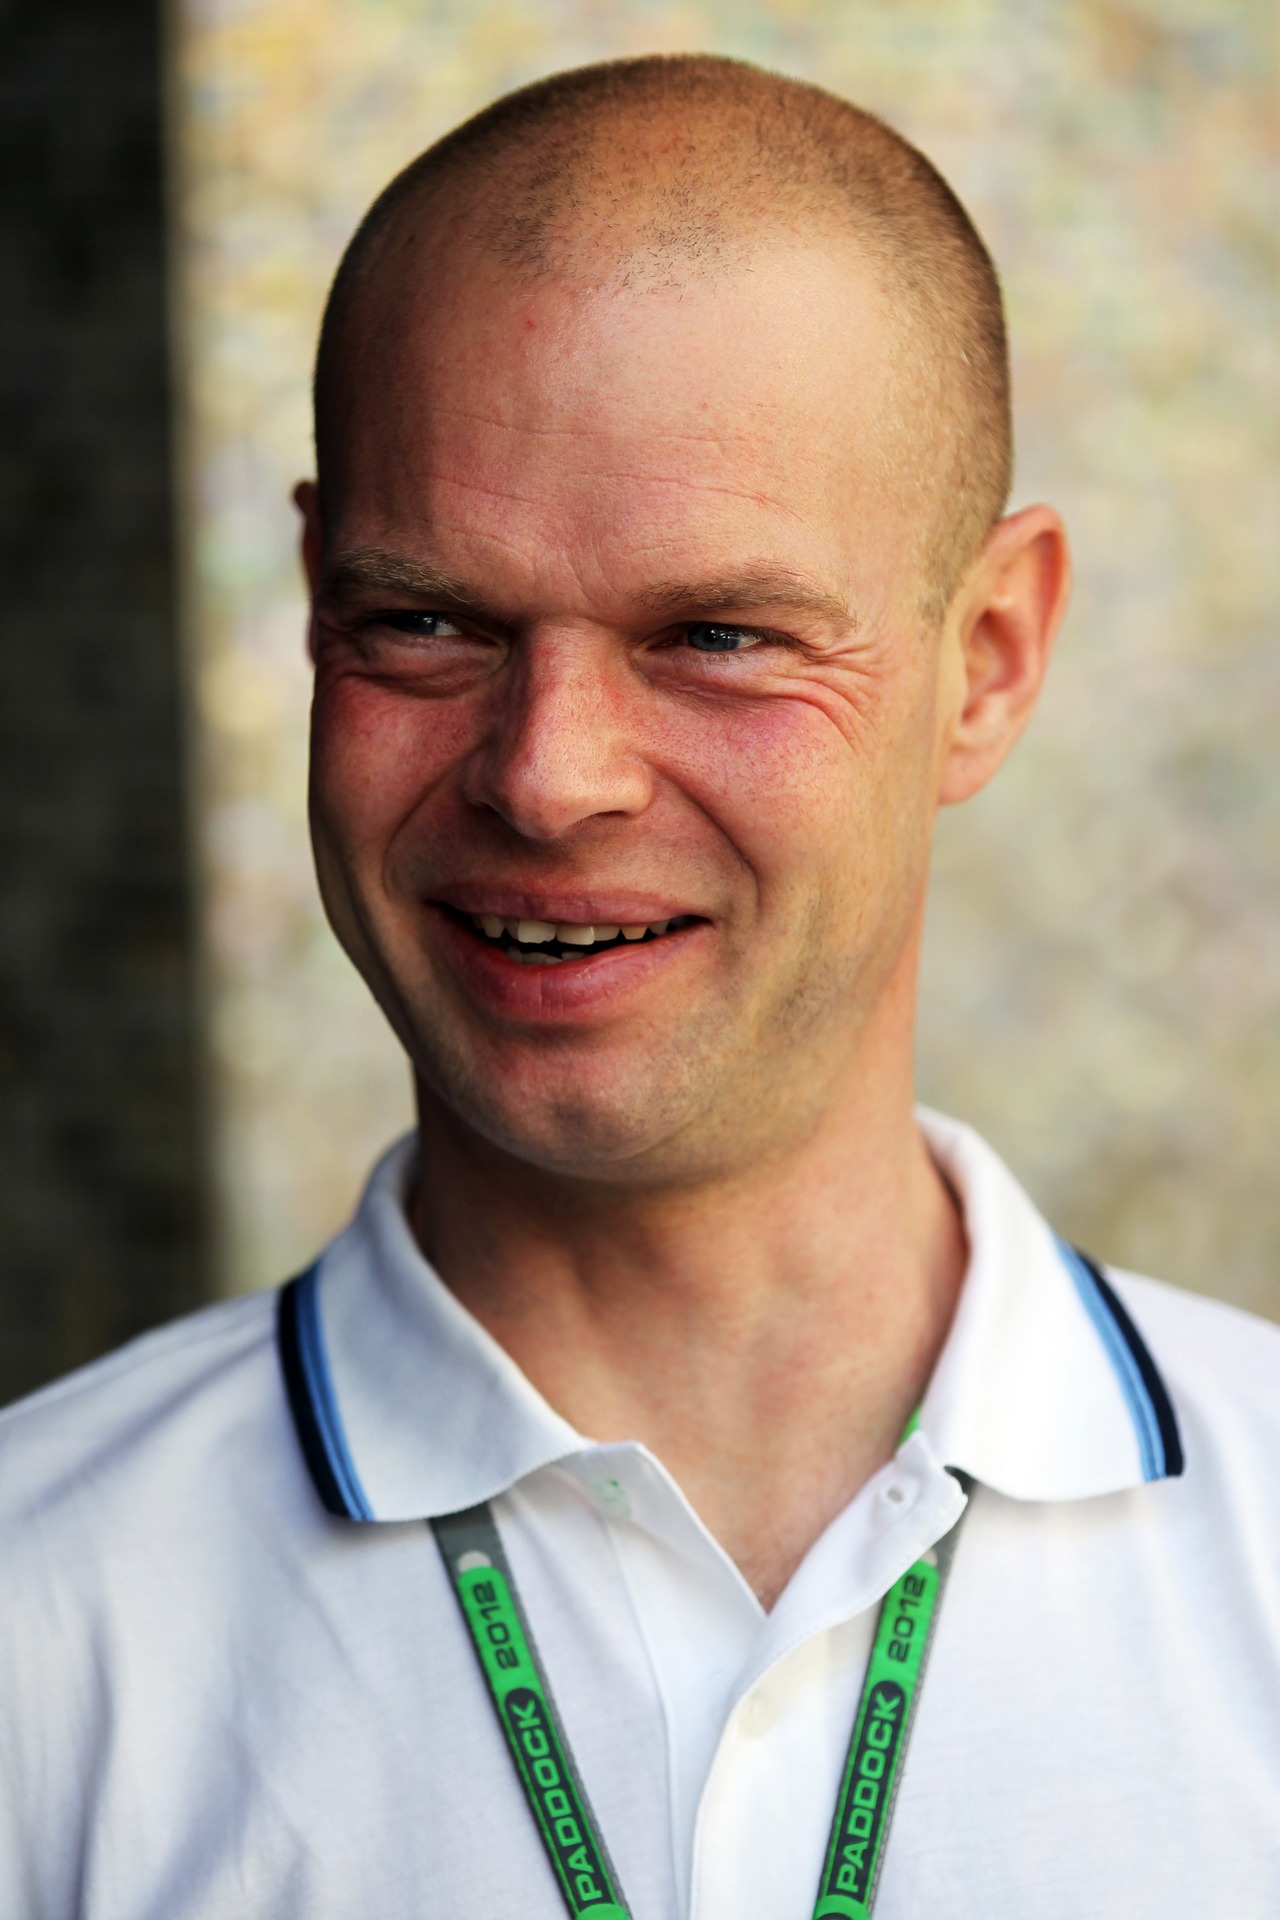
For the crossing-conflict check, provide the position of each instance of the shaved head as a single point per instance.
(647, 174)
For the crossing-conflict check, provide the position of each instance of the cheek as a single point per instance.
(375, 756)
(825, 801)
(789, 768)
(774, 777)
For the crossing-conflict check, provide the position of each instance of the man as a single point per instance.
(661, 594)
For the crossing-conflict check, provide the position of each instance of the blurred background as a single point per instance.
(192, 1080)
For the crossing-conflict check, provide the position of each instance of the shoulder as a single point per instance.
(1221, 1367)
(140, 1497)
(1213, 1351)
(146, 1504)
(160, 1418)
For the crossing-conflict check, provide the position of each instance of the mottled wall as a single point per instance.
(1103, 975)
(99, 1155)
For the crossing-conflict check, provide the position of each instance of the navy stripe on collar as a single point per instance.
(1156, 1424)
(318, 1421)
(312, 1402)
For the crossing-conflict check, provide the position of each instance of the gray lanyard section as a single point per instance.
(876, 1758)
(522, 1698)
(521, 1694)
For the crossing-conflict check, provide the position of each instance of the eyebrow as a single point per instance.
(365, 567)
(756, 587)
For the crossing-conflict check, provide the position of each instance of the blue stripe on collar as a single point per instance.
(312, 1402)
(1154, 1420)
(318, 1423)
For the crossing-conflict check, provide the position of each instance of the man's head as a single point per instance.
(658, 172)
(662, 434)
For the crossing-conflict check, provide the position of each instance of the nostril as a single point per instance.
(560, 758)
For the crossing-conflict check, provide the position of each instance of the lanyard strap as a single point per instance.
(521, 1695)
(881, 1729)
(526, 1711)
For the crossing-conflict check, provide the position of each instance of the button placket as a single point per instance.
(763, 1821)
(767, 1803)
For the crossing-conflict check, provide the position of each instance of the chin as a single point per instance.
(630, 1128)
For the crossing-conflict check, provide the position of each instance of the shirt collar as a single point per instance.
(407, 1408)
(1044, 1389)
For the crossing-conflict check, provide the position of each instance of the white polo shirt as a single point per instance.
(219, 1699)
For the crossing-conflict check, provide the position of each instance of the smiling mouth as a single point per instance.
(540, 943)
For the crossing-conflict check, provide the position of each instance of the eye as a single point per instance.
(706, 636)
(423, 626)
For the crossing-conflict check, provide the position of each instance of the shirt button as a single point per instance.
(614, 1498)
(757, 1714)
(899, 1494)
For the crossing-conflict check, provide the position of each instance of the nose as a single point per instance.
(563, 742)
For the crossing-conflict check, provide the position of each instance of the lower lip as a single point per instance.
(572, 990)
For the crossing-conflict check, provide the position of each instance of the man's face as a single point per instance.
(617, 627)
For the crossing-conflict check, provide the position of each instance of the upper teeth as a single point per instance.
(536, 933)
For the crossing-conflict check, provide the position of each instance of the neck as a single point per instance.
(766, 1334)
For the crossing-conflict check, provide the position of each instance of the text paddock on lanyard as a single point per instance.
(521, 1695)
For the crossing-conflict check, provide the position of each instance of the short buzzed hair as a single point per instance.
(669, 166)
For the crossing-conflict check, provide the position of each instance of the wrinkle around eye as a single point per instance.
(846, 691)
(418, 665)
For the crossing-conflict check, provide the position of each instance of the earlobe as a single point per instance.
(1008, 614)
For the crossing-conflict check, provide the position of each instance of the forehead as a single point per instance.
(761, 403)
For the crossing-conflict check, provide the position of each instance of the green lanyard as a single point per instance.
(585, 1874)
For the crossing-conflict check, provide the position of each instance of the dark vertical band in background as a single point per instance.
(99, 1160)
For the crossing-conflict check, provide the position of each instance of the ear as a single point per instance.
(306, 498)
(1001, 628)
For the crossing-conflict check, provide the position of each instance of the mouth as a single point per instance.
(543, 943)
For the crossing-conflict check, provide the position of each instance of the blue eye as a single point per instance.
(426, 626)
(705, 637)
